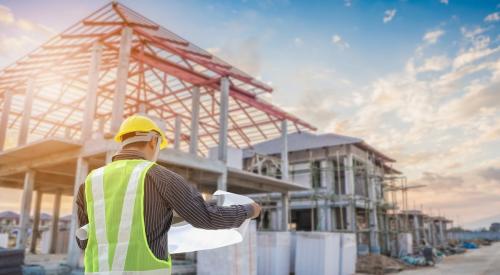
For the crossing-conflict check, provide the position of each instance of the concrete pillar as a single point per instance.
(121, 79)
(424, 231)
(285, 212)
(349, 187)
(28, 106)
(441, 232)
(177, 133)
(82, 169)
(372, 193)
(416, 226)
(284, 150)
(54, 227)
(195, 117)
(4, 120)
(222, 185)
(91, 98)
(327, 175)
(36, 222)
(29, 182)
(223, 119)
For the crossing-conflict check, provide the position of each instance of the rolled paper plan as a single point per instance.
(82, 232)
(184, 237)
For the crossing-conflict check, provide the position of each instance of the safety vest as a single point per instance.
(117, 242)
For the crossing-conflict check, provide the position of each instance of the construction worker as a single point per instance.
(128, 206)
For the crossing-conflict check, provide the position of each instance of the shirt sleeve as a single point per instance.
(81, 213)
(190, 205)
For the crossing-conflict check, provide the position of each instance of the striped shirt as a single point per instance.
(164, 192)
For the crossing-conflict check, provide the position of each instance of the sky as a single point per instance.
(418, 80)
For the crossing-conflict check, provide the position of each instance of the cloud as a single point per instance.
(347, 3)
(298, 42)
(443, 2)
(491, 174)
(433, 36)
(15, 45)
(472, 55)
(6, 16)
(389, 15)
(435, 63)
(494, 17)
(338, 41)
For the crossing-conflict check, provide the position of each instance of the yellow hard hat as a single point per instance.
(139, 123)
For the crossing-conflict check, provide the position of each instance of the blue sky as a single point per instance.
(419, 80)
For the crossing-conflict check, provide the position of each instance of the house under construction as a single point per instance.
(347, 186)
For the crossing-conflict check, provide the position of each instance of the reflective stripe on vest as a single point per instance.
(121, 181)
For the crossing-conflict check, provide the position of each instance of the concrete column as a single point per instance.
(284, 150)
(222, 185)
(36, 222)
(54, 227)
(223, 119)
(121, 79)
(372, 193)
(82, 169)
(416, 226)
(349, 187)
(91, 98)
(326, 174)
(29, 182)
(177, 133)
(195, 117)
(441, 232)
(4, 120)
(424, 231)
(285, 211)
(28, 106)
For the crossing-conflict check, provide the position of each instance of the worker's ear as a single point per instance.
(152, 143)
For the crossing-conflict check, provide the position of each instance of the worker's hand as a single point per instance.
(255, 210)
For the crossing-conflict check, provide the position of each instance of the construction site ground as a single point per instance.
(483, 261)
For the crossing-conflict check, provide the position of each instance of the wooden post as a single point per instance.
(121, 79)
(28, 106)
(36, 221)
(29, 181)
(91, 99)
(54, 227)
(82, 169)
(4, 120)
(195, 116)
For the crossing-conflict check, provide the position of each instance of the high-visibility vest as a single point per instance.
(117, 242)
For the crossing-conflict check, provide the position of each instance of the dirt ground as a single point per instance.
(482, 261)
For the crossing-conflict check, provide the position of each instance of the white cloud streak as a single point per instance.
(389, 15)
(340, 42)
